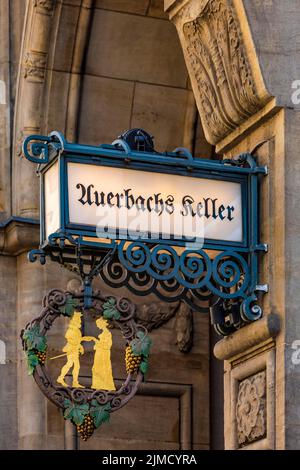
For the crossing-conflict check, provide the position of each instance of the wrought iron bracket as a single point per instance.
(224, 285)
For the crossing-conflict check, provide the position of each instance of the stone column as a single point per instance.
(244, 68)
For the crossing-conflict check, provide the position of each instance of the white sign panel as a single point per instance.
(51, 200)
(148, 204)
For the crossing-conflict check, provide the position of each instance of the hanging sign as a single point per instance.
(175, 225)
(159, 198)
(120, 202)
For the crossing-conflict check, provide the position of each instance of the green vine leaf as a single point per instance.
(141, 345)
(32, 362)
(69, 307)
(110, 311)
(144, 366)
(75, 412)
(34, 339)
(100, 413)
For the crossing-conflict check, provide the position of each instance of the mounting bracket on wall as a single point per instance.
(158, 223)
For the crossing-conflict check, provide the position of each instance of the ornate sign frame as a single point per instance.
(87, 408)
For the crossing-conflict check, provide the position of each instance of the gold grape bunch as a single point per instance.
(86, 429)
(41, 355)
(132, 361)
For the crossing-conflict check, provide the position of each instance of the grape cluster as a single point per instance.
(132, 362)
(86, 429)
(41, 356)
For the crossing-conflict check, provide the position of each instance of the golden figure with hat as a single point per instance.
(102, 378)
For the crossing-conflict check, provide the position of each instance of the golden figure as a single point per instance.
(72, 349)
(102, 378)
(102, 369)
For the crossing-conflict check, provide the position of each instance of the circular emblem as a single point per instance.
(87, 407)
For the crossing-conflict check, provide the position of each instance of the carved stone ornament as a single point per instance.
(44, 6)
(156, 314)
(34, 66)
(218, 64)
(184, 328)
(251, 409)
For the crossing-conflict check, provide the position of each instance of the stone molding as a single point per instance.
(248, 338)
(18, 236)
(222, 64)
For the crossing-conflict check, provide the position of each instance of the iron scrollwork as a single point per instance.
(191, 276)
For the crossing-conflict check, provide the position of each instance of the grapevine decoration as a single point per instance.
(36, 346)
(137, 353)
(87, 408)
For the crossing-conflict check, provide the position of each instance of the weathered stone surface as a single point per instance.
(5, 118)
(158, 423)
(292, 257)
(62, 61)
(129, 6)
(160, 110)
(275, 32)
(156, 9)
(57, 115)
(30, 404)
(8, 370)
(135, 48)
(106, 109)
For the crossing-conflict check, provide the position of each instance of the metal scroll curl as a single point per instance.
(36, 148)
(87, 408)
(190, 275)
